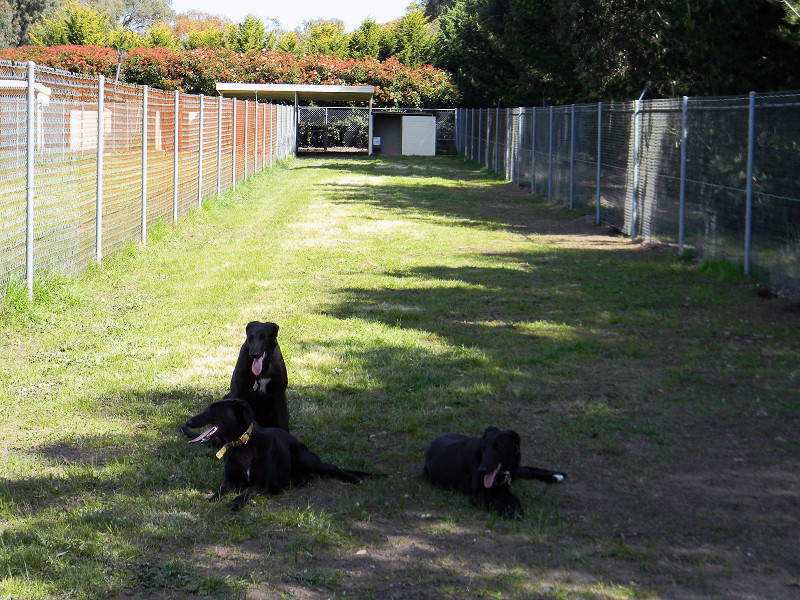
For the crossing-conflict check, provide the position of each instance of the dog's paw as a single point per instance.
(213, 497)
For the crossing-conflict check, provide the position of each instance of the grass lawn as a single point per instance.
(414, 297)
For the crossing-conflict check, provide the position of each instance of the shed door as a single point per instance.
(419, 135)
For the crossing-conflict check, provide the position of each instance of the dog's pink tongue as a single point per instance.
(488, 479)
(203, 437)
(258, 364)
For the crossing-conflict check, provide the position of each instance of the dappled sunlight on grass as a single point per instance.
(413, 297)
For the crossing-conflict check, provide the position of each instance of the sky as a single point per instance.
(291, 13)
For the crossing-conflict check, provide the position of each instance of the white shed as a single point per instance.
(403, 134)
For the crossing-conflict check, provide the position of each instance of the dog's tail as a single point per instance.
(541, 474)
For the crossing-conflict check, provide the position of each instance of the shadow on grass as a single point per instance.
(571, 347)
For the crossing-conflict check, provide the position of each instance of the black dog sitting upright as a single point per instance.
(259, 460)
(259, 378)
(483, 468)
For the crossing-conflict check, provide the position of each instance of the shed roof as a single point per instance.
(305, 92)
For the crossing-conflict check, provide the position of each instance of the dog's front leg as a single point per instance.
(223, 489)
(246, 496)
(504, 503)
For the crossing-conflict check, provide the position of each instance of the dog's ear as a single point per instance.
(515, 436)
(244, 409)
(250, 326)
(489, 430)
(275, 329)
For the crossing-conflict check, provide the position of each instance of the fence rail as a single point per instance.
(718, 176)
(89, 165)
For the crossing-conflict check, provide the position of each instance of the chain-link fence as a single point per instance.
(323, 128)
(89, 165)
(717, 176)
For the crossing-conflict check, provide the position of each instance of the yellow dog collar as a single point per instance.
(240, 442)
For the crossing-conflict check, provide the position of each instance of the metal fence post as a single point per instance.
(488, 137)
(533, 150)
(233, 148)
(682, 205)
(748, 225)
(635, 190)
(200, 158)
(599, 157)
(30, 160)
(98, 237)
(144, 165)
(520, 130)
(550, 163)
(497, 140)
(572, 157)
(176, 144)
(470, 131)
(458, 132)
(480, 132)
(219, 145)
(509, 131)
(271, 136)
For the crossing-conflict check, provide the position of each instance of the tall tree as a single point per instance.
(325, 36)
(73, 24)
(365, 42)
(434, 8)
(505, 51)
(136, 15)
(248, 35)
(413, 43)
(17, 17)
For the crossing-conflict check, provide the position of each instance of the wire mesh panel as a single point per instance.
(560, 154)
(209, 151)
(660, 168)
(160, 154)
(65, 166)
(226, 176)
(542, 143)
(716, 155)
(616, 169)
(13, 118)
(239, 151)
(776, 197)
(251, 138)
(585, 164)
(188, 147)
(122, 166)
(524, 147)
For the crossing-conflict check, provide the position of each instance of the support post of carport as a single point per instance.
(369, 126)
(296, 124)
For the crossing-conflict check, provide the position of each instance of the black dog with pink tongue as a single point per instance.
(259, 378)
(260, 460)
(483, 468)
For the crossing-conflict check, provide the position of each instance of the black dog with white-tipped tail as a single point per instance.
(260, 460)
(483, 468)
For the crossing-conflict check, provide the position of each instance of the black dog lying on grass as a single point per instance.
(483, 468)
(259, 378)
(260, 460)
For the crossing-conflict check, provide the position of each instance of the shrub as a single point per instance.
(197, 71)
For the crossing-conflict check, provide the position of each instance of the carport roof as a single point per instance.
(297, 92)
